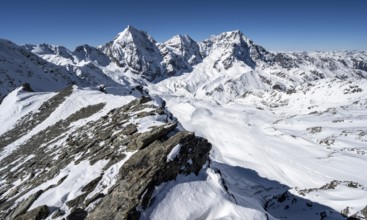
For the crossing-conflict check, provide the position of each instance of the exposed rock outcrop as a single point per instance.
(31, 120)
(130, 144)
(149, 168)
(38, 213)
(24, 206)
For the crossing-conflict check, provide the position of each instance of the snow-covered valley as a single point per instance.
(276, 135)
(316, 137)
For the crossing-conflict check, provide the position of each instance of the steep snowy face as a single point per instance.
(88, 53)
(179, 53)
(184, 46)
(233, 65)
(228, 69)
(62, 56)
(58, 55)
(18, 66)
(85, 62)
(136, 51)
(233, 46)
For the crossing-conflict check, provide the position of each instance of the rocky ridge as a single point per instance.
(128, 150)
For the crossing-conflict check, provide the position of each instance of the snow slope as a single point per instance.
(18, 66)
(89, 64)
(17, 104)
(301, 140)
(287, 130)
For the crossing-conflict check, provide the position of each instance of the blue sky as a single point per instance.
(274, 24)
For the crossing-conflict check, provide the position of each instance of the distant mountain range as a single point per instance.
(134, 56)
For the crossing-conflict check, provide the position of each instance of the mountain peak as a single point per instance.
(237, 31)
(131, 29)
(183, 37)
(180, 40)
(132, 34)
(137, 50)
(235, 35)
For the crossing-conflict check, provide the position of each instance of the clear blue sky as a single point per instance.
(274, 24)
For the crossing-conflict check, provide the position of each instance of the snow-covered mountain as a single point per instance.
(180, 54)
(137, 52)
(226, 66)
(19, 66)
(89, 64)
(233, 65)
(286, 131)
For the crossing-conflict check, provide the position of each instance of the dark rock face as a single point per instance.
(360, 65)
(77, 214)
(38, 213)
(314, 130)
(27, 87)
(146, 138)
(148, 168)
(284, 61)
(23, 206)
(279, 87)
(364, 212)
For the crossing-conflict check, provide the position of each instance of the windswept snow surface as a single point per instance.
(296, 141)
(199, 197)
(17, 104)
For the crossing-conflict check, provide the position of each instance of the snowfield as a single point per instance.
(315, 137)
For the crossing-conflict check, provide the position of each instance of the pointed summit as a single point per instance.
(136, 50)
(180, 53)
(131, 34)
(181, 37)
(233, 46)
(131, 30)
(88, 53)
(180, 41)
(235, 36)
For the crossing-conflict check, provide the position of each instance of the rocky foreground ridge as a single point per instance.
(124, 161)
